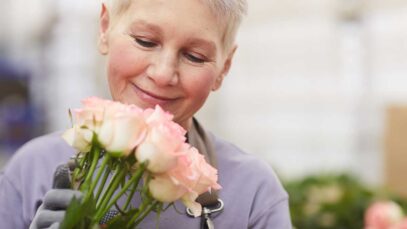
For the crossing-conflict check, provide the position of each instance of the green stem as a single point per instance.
(130, 196)
(102, 184)
(147, 211)
(78, 169)
(160, 209)
(109, 186)
(134, 179)
(96, 180)
(95, 158)
(142, 213)
(109, 193)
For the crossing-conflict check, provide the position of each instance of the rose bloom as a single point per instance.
(163, 143)
(92, 113)
(170, 186)
(79, 138)
(383, 215)
(191, 177)
(122, 132)
(95, 110)
(203, 173)
(202, 177)
(119, 127)
(87, 121)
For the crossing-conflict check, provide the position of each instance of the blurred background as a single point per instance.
(317, 86)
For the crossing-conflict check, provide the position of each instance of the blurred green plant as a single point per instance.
(332, 201)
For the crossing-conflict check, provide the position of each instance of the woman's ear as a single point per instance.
(225, 70)
(103, 30)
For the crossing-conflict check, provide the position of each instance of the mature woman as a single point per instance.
(172, 53)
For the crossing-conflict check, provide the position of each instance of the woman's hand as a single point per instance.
(52, 211)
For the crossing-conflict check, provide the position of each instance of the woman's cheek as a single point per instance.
(204, 82)
(123, 62)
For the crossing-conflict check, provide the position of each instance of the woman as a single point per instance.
(172, 53)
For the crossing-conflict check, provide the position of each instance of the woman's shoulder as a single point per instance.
(231, 154)
(260, 189)
(38, 157)
(234, 161)
(29, 173)
(50, 146)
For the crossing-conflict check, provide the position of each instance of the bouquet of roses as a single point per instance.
(125, 151)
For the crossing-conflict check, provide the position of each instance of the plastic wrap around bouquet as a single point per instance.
(124, 151)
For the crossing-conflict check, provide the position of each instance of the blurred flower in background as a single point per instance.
(384, 215)
(339, 201)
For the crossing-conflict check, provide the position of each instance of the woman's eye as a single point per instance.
(145, 43)
(194, 58)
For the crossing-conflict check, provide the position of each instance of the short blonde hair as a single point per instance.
(229, 13)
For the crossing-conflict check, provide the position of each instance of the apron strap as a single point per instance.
(210, 201)
(198, 138)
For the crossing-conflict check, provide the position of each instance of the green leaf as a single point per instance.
(79, 214)
(73, 215)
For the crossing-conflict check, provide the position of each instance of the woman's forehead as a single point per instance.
(186, 10)
(196, 16)
(190, 16)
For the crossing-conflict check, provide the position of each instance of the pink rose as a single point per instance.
(87, 121)
(170, 186)
(92, 113)
(162, 145)
(163, 188)
(190, 177)
(95, 110)
(119, 127)
(383, 215)
(123, 131)
(194, 174)
(158, 115)
(206, 175)
(202, 177)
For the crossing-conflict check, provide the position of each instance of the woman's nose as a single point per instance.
(163, 69)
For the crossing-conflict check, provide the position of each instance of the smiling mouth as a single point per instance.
(151, 98)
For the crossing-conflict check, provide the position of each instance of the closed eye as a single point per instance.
(195, 59)
(145, 43)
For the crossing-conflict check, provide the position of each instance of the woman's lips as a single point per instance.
(150, 97)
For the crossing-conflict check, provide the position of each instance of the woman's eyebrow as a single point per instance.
(193, 41)
(210, 45)
(146, 25)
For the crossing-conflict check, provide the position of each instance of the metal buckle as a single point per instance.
(208, 211)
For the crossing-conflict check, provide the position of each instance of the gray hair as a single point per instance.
(229, 13)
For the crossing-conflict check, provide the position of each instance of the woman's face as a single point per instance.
(165, 52)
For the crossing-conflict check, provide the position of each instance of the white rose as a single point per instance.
(79, 138)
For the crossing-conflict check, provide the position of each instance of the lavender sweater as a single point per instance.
(253, 195)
